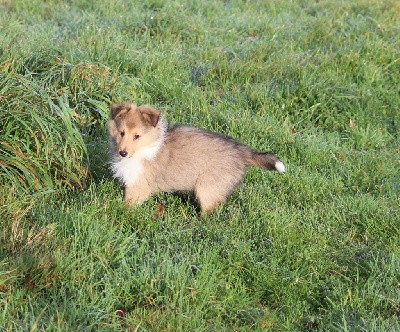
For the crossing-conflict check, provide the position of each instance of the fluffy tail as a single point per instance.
(267, 161)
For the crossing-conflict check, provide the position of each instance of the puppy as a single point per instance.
(149, 157)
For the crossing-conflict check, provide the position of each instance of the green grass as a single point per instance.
(317, 248)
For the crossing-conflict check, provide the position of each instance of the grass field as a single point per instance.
(315, 249)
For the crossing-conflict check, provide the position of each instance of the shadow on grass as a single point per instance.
(98, 156)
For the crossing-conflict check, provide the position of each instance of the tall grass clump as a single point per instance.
(40, 144)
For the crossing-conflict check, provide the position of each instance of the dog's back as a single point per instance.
(209, 164)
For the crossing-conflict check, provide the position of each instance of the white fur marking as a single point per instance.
(280, 167)
(128, 170)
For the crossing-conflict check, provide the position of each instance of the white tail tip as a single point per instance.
(280, 167)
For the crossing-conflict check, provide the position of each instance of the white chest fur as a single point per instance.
(129, 170)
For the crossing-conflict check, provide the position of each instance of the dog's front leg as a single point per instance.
(136, 194)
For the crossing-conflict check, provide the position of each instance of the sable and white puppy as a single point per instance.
(150, 157)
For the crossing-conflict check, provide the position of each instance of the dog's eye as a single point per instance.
(122, 133)
(135, 137)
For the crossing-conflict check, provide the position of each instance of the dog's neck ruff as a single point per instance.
(128, 170)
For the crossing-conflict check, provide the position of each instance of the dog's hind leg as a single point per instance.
(212, 193)
(208, 202)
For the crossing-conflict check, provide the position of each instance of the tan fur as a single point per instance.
(177, 159)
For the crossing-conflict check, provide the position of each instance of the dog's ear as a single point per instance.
(117, 108)
(150, 114)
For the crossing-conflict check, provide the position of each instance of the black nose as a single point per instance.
(123, 153)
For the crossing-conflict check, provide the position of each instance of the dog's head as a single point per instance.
(133, 127)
